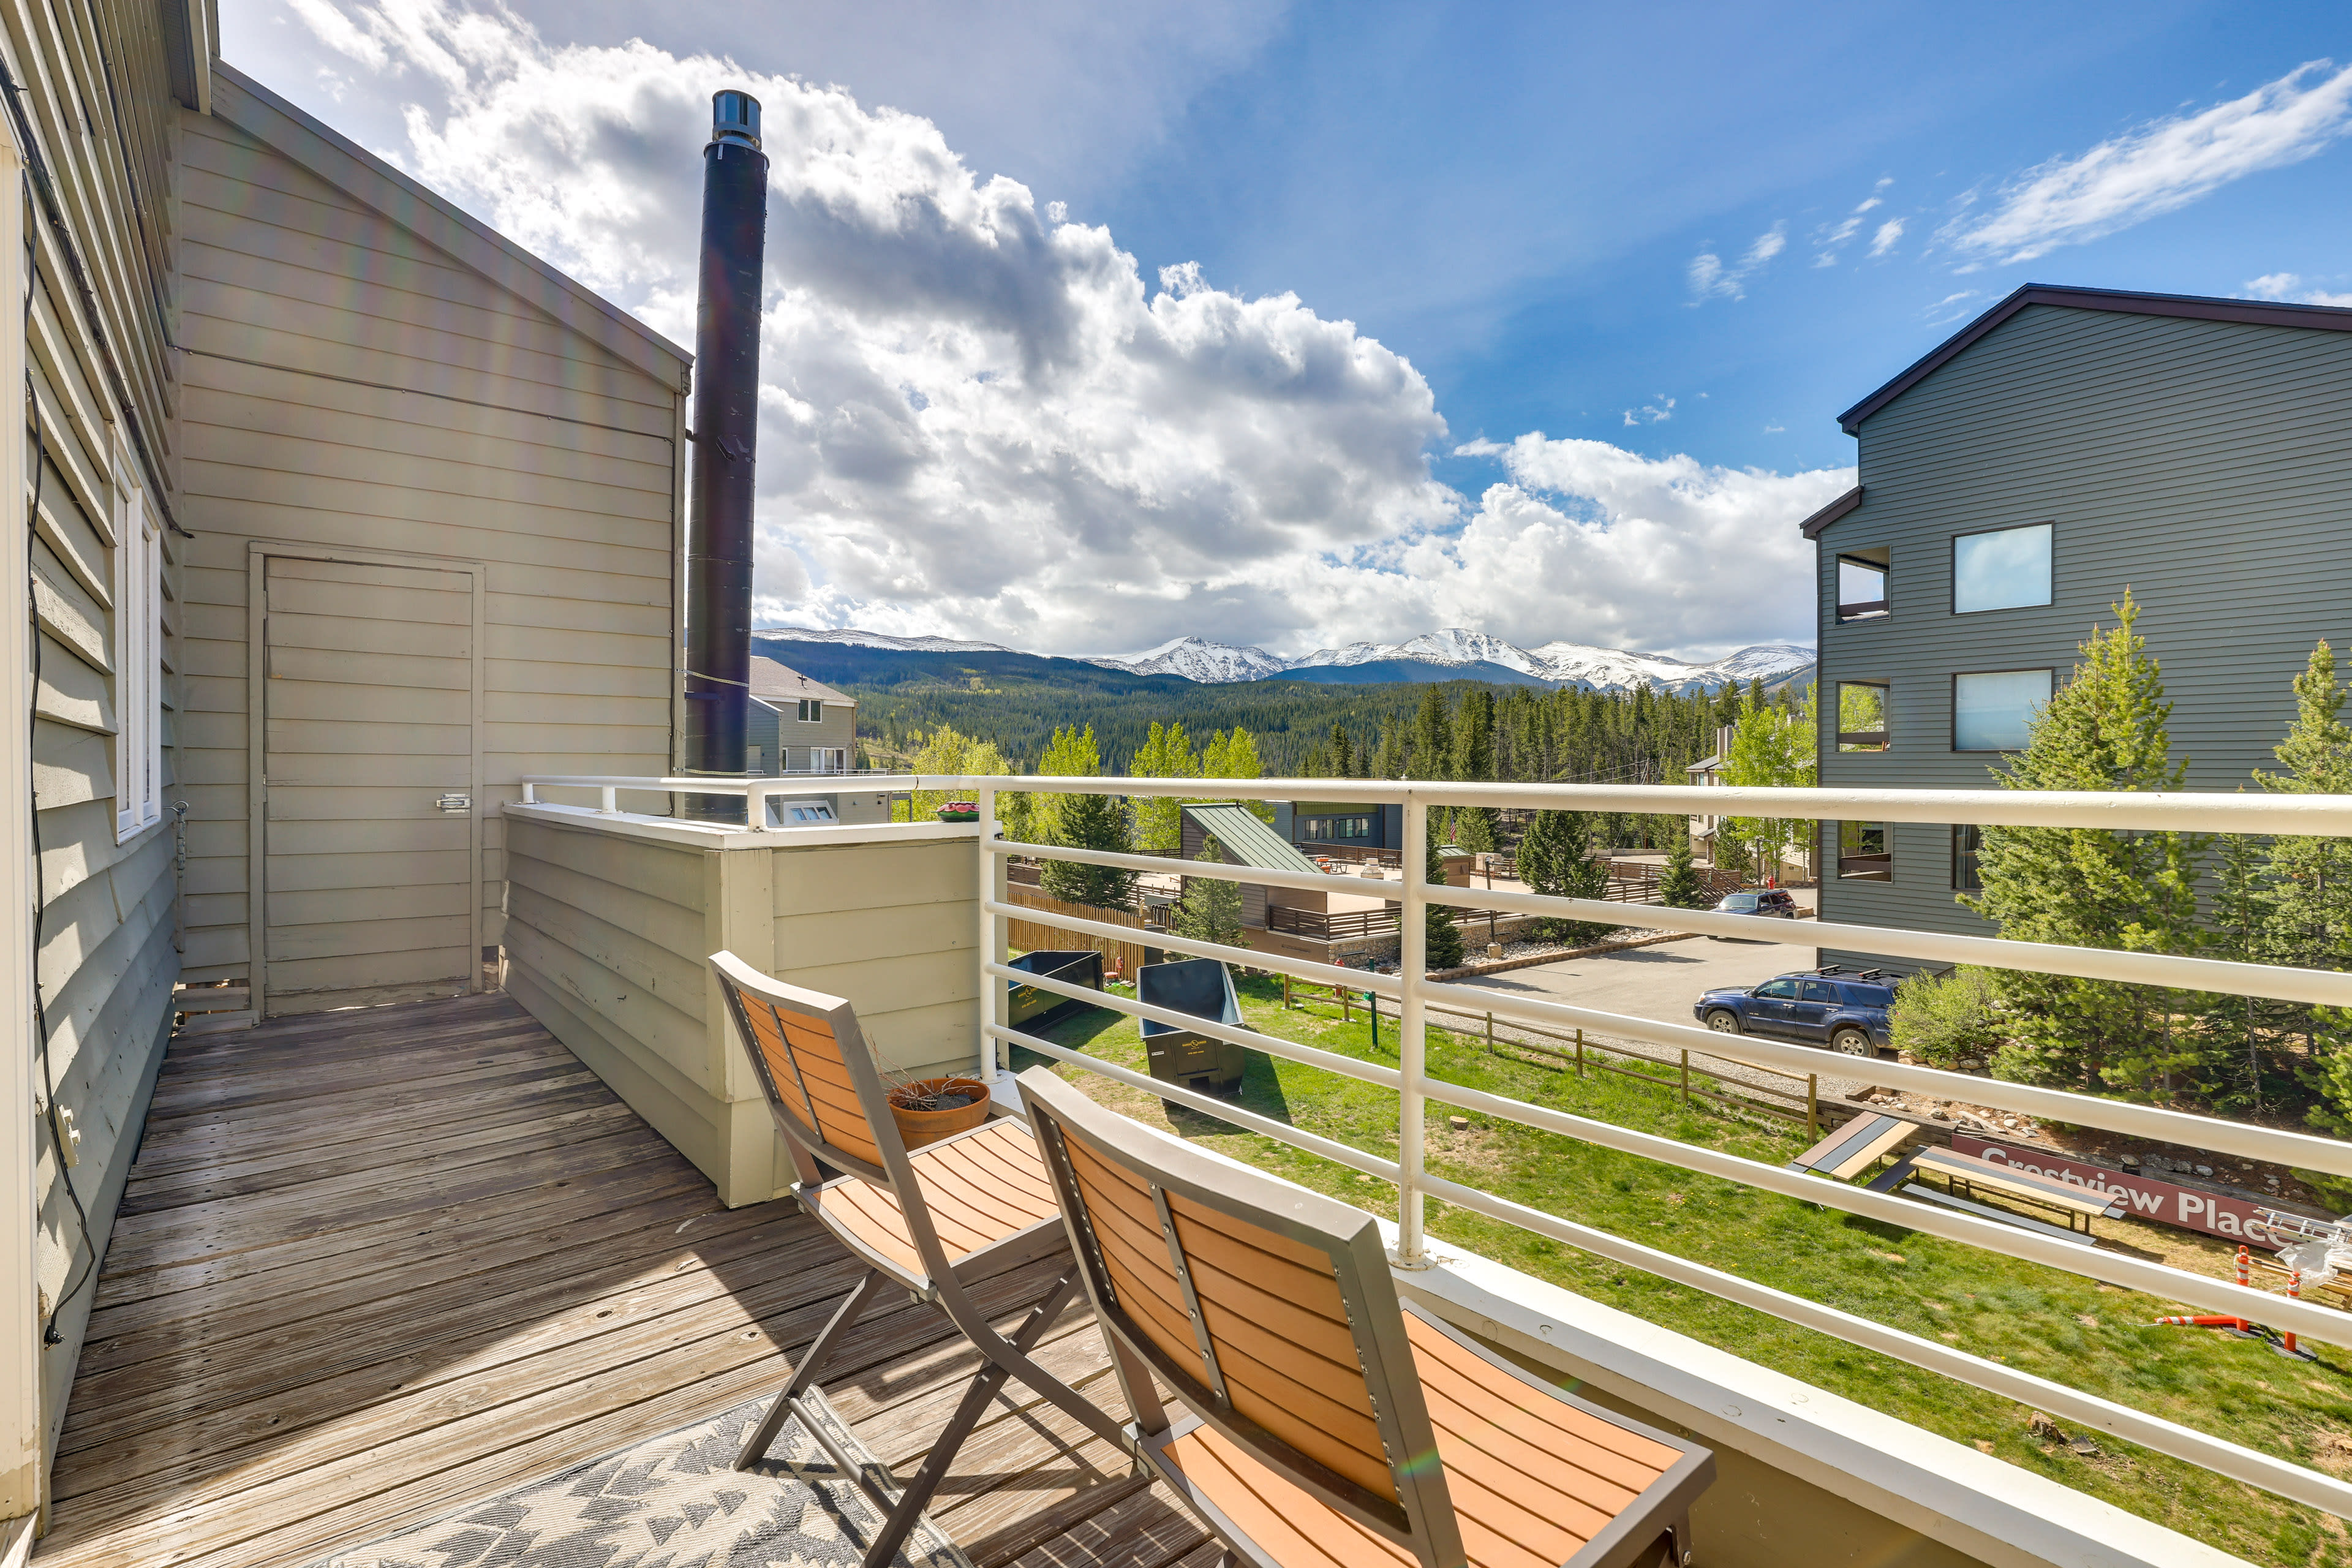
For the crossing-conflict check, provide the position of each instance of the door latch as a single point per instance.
(453, 805)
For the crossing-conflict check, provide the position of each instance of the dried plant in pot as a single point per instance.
(929, 1109)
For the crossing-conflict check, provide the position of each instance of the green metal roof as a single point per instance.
(1246, 840)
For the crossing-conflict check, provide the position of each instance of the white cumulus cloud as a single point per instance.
(2159, 166)
(979, 417)
(2288, 286)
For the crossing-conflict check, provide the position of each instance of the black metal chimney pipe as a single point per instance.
(726, 434)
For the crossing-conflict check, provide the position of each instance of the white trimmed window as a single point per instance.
(138, 659)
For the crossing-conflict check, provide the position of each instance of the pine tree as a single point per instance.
(2106, 730)
(1210, 908)
(1433, 739)
(1473, 763)
(2242, 1033)
(1341, 754)
(2309, 917)
(1678, 888)
(1445, 936)
(1556, 860)
(1083, 822)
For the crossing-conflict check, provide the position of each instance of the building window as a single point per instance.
(1332, 829)
(2004, 569)
(1862, 584)
(1862, 716)
(812, 709)
(1993, 710)
(1968, 843)
(139, 656)
(1863, 855)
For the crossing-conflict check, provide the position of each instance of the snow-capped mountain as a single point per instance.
(1199, 660)
(853, 638)
(1455, 646)
(1569, 663)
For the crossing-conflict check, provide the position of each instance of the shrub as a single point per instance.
(1945, 1020)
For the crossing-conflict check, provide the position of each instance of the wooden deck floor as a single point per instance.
(373, 1265)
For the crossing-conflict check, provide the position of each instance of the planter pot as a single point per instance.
(917, 1128)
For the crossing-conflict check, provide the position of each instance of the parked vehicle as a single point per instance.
(1769, 903)
(1832, 1006)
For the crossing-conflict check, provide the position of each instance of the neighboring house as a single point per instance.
(798, 725)
(344, 513)
(2067, 445)
(1320, 827)
(1244, 840)
(1705, 774)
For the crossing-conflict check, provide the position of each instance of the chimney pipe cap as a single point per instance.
(735, 117)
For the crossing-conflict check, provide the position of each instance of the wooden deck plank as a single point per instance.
(377, 1265)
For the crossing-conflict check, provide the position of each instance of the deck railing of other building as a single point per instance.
(1413, 995)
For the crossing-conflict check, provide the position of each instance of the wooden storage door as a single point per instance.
(369, 833)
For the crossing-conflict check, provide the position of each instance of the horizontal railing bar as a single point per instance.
(2153, 1122)
(2158, 1280)
(1273, 1046)
(2328, 988)
(1208, 1105)
(2328, 815)
(2269, 1145)
(2274, 1474)
(1388, 985)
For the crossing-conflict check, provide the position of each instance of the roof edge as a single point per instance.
(1812, 527)
(2197, 307)
(359, 174)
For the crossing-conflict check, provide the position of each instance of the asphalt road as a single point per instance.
(1661, 983)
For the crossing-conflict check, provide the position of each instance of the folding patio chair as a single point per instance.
(1328, 1427)
(934, 1223)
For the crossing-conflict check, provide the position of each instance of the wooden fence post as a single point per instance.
(1490, 1033)
(1812, 1106)
(1347, 1005)
(1685, 1075)
(1580, 1052)
(1285, 991)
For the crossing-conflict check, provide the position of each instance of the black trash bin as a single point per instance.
(1034, 1004)
(1204, 988)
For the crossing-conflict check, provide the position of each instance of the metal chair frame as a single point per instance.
(942, 1282)
(1421, 1519)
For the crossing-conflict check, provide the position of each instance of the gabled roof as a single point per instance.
(2197, 307)
(772, 682)
(1246, 841)
(376, 184)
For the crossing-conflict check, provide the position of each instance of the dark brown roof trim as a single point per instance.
(2198, 306)
(1828, 514)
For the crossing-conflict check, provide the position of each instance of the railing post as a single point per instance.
(1685, 1075)
(991, 946)
(1490, 1033)
(608, 800)
(1813, 1106)
(1412, 1042)
(1580, 1052)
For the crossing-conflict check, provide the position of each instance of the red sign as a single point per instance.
(2143, 1196)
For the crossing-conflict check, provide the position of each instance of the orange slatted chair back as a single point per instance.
(1268, 1308)
(813, 1065)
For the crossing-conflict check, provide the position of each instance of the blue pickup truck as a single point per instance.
(1841, 1008)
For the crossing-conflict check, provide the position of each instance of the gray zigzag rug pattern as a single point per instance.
(671, 1502)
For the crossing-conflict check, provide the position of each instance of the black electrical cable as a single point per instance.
(49, 1334)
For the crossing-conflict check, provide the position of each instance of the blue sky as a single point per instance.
(1638, 257)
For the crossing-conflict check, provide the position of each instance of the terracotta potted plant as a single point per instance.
(929, 1109)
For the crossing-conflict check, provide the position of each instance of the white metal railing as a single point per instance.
(755, 790)
(2326, 816)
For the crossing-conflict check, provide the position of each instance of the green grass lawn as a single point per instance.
(2072, 1331)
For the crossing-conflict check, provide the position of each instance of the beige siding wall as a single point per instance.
(105, 952)
(607, 932)
(348, 384)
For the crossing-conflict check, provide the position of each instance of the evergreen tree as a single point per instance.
(2106, 728)
(1083, 822)
(2243, 1035)
(1445, 936)
(1679, 889)
(1342, 755)
(1210, 910)
(2309, 923)
(1165, 753)
(1473, 763)
(1433, 739)
(1556, 860)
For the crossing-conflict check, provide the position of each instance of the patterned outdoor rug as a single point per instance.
(672, 1501)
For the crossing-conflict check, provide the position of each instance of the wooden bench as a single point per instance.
(1965, 1174)
(1850, 1150)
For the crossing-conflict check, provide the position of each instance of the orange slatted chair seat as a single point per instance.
(1532, 1479)
(978, 1188)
